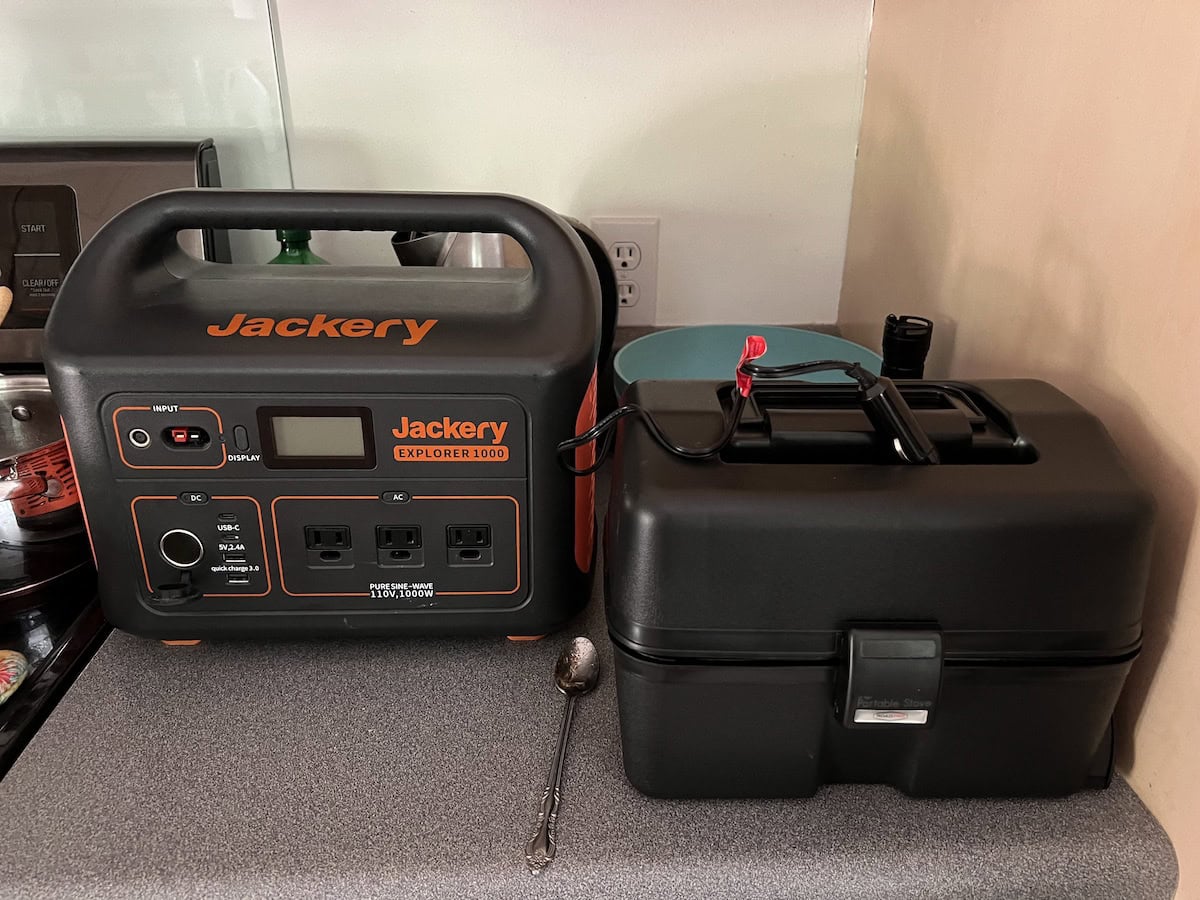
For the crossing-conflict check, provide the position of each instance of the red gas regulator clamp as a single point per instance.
(756, 347)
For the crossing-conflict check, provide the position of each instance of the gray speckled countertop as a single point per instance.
(411, 769)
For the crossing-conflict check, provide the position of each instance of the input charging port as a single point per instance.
(185, 437)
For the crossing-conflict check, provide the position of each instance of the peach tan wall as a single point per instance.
(1029, 176)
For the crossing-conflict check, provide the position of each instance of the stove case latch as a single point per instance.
(889, 677)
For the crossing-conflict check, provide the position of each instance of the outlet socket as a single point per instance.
(626, 256)
(632, 243)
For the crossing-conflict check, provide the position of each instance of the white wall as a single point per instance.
(1028, 179)
(734, 122)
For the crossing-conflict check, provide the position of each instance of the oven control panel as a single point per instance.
(39, 239)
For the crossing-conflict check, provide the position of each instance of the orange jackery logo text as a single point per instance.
(321, 325)
(447, 428)
(489, 436)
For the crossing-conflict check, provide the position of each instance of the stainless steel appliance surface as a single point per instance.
(41, 527)
(55, 196)
(50, 618)
(56, 626)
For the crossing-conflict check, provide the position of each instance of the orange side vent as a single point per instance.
(585, 488)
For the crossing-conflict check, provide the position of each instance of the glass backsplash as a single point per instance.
(147, 70)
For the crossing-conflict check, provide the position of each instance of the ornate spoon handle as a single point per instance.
(542, 846)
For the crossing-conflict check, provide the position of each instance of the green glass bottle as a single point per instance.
(294, 248)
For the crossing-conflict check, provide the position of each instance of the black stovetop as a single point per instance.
(57, 627)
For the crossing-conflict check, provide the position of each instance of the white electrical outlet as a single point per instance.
(632, 243)
(626, 255)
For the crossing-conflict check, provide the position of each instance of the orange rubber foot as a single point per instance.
(525, 637)
(180, 643)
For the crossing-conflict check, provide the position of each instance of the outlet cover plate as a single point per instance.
(640, 269)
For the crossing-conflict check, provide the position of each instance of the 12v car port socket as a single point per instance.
(181, 548)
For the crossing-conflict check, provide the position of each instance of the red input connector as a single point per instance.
(185, 437)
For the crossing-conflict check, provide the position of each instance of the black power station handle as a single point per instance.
(144, 234)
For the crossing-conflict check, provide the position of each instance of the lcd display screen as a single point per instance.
(316, 437)
(321, 436)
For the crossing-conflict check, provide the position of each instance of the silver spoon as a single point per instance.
(575, 674)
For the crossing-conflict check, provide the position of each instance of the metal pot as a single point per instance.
(459, 250)
(42, 533)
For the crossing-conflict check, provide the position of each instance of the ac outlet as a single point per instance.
(328, 546)
(399, 546)
(626, 255)
(397, 537)
(632, 243)
(327, 537)
(469, 536)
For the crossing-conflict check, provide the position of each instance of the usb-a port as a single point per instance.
(234, 557)
(237, 579)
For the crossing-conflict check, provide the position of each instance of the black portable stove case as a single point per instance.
(452, 527)
(804, 610)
